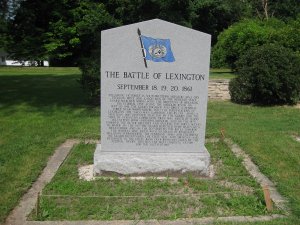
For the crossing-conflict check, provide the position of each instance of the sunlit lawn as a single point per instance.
(41, 107)
(221, 74)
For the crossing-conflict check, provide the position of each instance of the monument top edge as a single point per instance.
(153, 22)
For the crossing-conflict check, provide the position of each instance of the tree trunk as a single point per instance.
(265, 7)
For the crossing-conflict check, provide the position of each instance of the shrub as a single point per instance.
(238, 38)
(90, 79)
(268, 74)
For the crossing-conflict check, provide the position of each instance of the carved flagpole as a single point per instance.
(142, 46)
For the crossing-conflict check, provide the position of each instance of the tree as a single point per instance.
(28, 30)
(265, 8)
(285, 9)
(3, 33)
(281, 9)
(178, 12)
(3, 23)
(115, 13)
(127, 12)
(64, 34)
(214, 16)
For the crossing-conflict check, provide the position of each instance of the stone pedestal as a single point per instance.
(127, 163)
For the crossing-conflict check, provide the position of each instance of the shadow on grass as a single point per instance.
(48, 90)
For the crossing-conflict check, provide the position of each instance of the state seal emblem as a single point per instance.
(156, 49)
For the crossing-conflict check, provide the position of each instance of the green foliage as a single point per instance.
(238, 38)
(290, 35)
(94, 17)
(3, 33)
(90, 79)
(267, 74)
(284, 9)
(281, 9)
(176, 11)
(77, 33)
(128, 12)
(213, 16)
(28, 30)
(69, 33)
(77, 36)
(240, 91)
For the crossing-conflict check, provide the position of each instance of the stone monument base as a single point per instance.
(127, 163)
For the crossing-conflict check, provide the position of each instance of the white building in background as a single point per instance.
(6, 61)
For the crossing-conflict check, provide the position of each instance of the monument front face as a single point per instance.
(154, 79)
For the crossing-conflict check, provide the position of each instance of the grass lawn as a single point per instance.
(67, 197)
(265, 133)
(221, 74)
(41, 107)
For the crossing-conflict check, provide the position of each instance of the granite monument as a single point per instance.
(154, 84)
